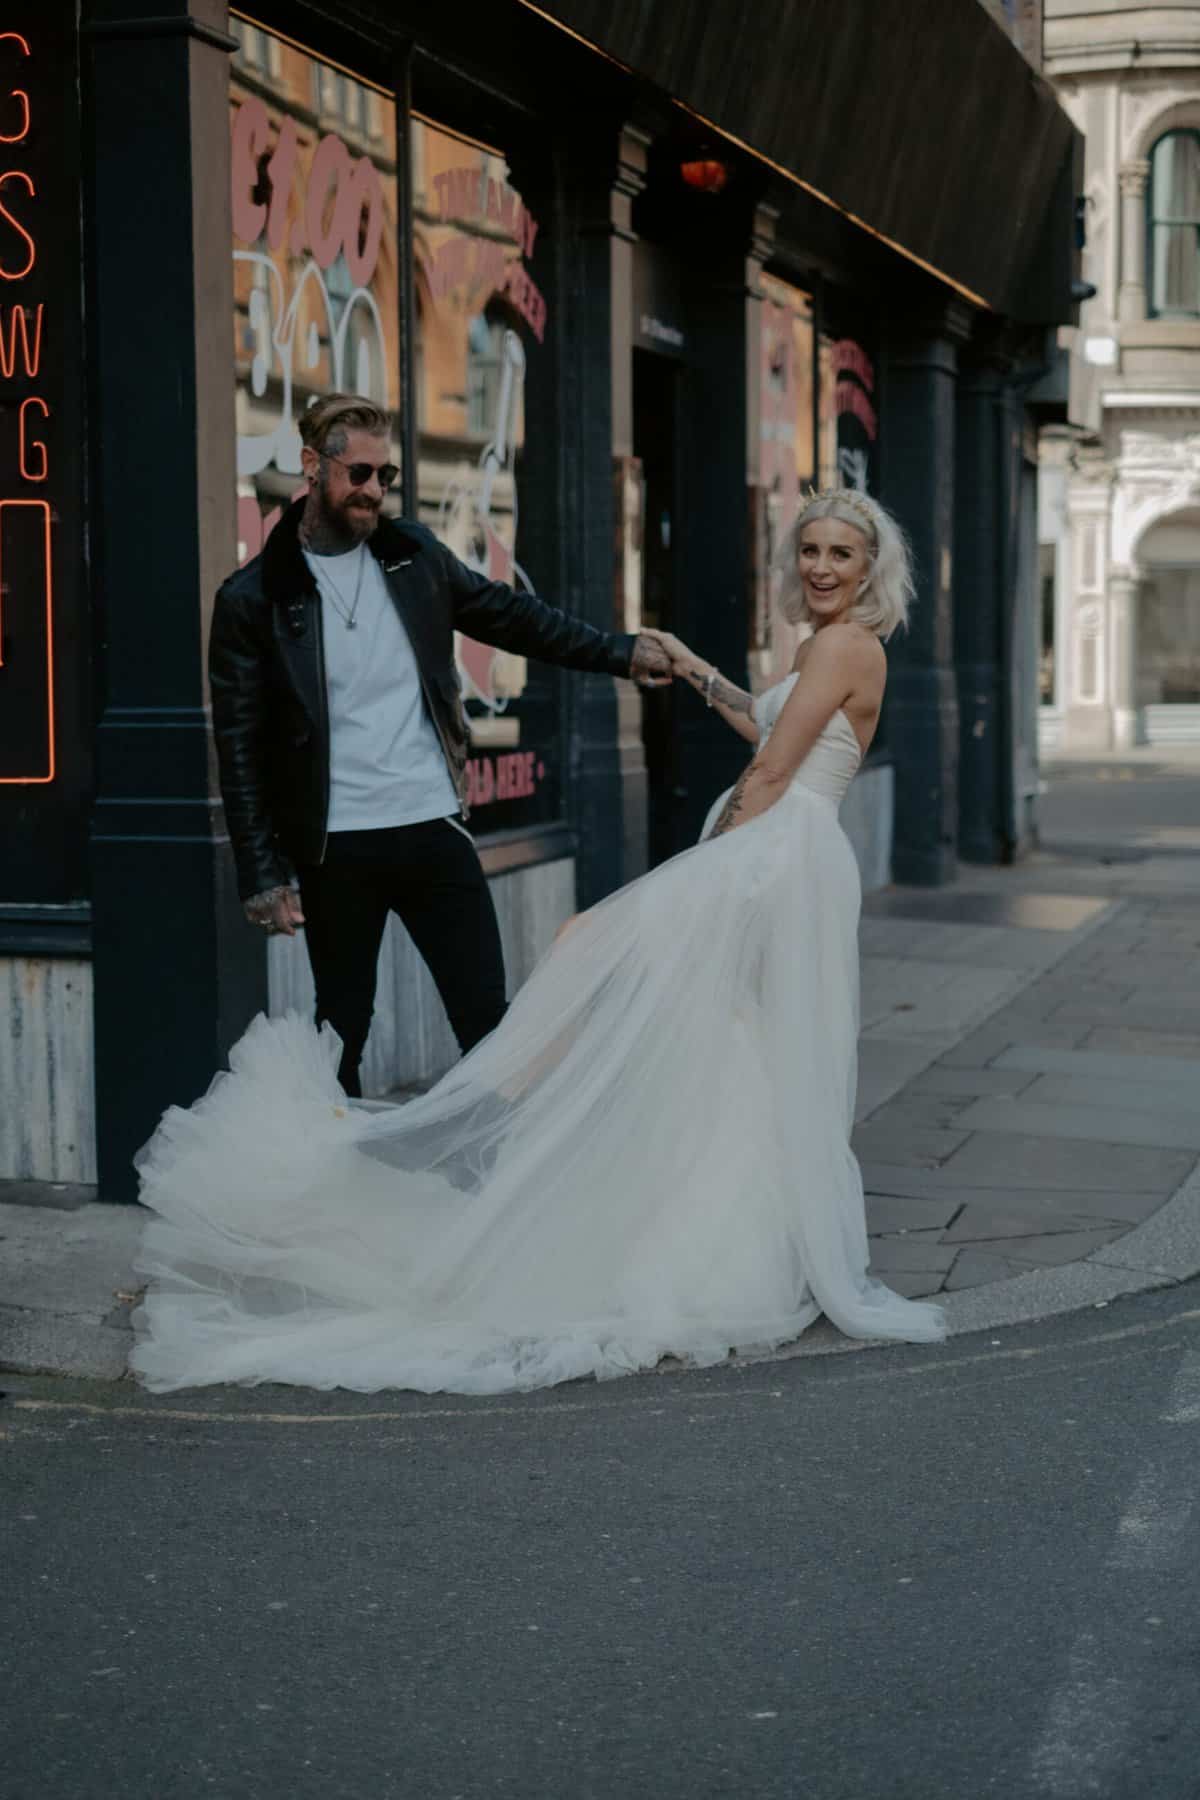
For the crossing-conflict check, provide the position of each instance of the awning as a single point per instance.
(918, 118)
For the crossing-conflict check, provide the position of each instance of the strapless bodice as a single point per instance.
(832, 763)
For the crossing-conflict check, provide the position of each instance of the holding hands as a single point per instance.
(735, 706)
(681, 659)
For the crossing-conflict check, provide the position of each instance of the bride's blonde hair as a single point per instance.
(883, 604)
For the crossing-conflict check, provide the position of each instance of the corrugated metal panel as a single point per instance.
(47, 1076)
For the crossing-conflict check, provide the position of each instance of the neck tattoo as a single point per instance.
(322, 537)
(346, 609)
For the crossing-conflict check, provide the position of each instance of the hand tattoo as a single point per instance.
(650, 661)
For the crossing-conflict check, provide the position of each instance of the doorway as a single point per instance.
(656, 408)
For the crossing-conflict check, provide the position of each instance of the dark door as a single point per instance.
(656, 382)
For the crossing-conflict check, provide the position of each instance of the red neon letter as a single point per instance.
(17, 274)
(17, 93)
(18, 326)
(37, 443)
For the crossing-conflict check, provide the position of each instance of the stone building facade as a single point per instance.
(1120, 486)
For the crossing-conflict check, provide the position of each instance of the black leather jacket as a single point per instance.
(267, 675)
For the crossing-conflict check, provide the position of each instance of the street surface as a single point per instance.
(911, 1574)
(939, 1574)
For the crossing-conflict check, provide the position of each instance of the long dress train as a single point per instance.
(649, 1156)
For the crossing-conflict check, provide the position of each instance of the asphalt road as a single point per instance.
(953, 1572)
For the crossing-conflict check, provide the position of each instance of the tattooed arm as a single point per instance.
(734, 704)
(843, 663)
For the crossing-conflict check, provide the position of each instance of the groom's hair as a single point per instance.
(325, 427)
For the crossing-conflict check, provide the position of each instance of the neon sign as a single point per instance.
(27, 700)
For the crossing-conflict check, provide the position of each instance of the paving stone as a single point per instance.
(1174, 1101)
(916, 1147)
(981, 1047)
(921, 999)
(1176, 1015)
(913, 1111)
(1110, 1066)
(974, 1267)
(1045, 1252)
(1151, 969)
(957, 905)
(975, 1083)
(888, 1214)
(914, 1284)
(938, 1187)
(1042, 1161)
(885, 1067)
(1096, 1125)
(1133, 1040)
(913, 1250)
(976, 1224)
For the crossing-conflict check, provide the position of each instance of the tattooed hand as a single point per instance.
(277, 909)
(650, 666)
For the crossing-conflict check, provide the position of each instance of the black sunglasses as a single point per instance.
(361, 473)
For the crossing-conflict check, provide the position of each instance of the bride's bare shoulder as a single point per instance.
(846, 644)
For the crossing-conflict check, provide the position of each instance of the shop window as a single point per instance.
(257, 51)
(492, 344)
(1173, 222)
(787, 449)
(316, 283)
(342, 101)
(482, 322)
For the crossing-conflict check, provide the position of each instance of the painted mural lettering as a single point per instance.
(855, 382)
(478, 266)
(515, 776)
(304, 220)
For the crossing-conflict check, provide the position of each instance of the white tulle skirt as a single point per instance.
(649, 1157)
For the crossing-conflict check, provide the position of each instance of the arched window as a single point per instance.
(1173, 220)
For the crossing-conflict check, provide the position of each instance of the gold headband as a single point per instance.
(850, 498)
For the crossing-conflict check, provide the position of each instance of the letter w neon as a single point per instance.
(18, 326)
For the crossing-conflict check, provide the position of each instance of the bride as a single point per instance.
(649, 1157)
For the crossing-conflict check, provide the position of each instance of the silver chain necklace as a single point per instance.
(347, 614)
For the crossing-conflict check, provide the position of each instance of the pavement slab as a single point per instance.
(1046, 1250)
(976, 1084)
(1099, 1125)
(974, 1267)
(1132, 1041)
(1036, 1160)
(983, 1224)
(1113, 1066)
(889, 1213)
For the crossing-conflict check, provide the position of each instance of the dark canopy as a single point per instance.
(919, 117)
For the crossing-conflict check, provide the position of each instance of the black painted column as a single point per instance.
(584, 297)
(715, 602)
(982, 493)
(917, 485)
(986, 521)
(177, 971)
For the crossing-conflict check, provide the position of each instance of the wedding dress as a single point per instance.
(650, 1156)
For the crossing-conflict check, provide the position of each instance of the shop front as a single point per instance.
(618, 344)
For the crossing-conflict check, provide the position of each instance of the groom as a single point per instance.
(341, 737)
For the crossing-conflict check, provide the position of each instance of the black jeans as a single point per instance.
(430, 876)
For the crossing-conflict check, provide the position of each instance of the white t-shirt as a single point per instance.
(386, 765)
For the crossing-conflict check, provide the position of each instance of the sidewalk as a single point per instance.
(1029, 1093)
